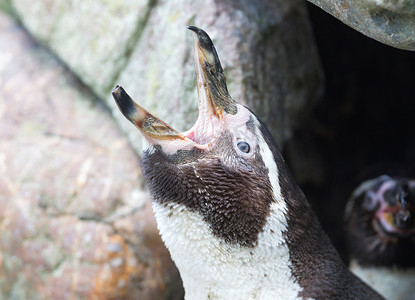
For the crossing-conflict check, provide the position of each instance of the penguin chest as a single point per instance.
(391, 283)
(212, 268)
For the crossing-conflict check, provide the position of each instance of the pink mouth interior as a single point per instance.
(206, 128)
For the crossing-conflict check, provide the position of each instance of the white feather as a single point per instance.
(391, 283)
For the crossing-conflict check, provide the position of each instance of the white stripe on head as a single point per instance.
(271, 165)
(361, 189)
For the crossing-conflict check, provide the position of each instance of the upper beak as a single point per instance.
(214, 99)
(211, 82)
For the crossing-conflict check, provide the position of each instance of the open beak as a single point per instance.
(398, 216)
(214, 102)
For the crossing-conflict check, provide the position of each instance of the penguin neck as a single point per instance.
(212, 268)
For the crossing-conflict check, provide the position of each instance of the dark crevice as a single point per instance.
(363, 127)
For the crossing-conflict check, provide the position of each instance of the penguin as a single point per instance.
(380, 225)
(227, 207)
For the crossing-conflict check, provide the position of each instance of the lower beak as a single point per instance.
(151, 127)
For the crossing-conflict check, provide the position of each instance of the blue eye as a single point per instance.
(244, 147)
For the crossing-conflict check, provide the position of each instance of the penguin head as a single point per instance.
(221, 167)
(381, 222)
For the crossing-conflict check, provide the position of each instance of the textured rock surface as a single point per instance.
(74, 222)
(266, 48)
(389, 21)
(92, 37)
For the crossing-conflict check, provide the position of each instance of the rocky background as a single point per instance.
(75, 216)
(75, 222)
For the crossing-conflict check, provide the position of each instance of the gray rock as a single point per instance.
(266, 47)
(74, 220)
(391, 22)
(92, 37)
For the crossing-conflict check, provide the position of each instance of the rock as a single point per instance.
(389, 22)
(75, 222)
(266, 47)
(92, 37)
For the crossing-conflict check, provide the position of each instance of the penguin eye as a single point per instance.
(244, 147)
